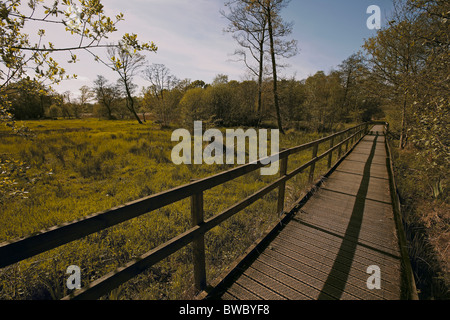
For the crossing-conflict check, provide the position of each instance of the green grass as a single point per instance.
(78, 167)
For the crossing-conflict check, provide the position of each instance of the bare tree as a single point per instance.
(160, 78)
(162, 84)
(127, 63)
(255, 22)
(277, 30)
(249, 28)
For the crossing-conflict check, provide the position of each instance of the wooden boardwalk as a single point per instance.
(326, 248)
(323, 248)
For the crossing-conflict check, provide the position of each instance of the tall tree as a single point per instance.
(127, 63)
(278, 30)
(256, 22)
(249, 27)
(362, 94)
(160, 79)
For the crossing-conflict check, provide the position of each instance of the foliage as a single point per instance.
(64, 170)
(87, 22)
(29, 99)
(107, 96)
(411, 56)
(21, 56)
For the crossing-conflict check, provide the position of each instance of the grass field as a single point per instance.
(72, 168)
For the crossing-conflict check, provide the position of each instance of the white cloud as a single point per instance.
(188, 34)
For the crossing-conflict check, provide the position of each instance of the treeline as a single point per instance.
(316, 103)
(401, 73)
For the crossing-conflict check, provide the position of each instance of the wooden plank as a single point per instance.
(322, 242)
(259, 289)
(318, 269)
(272, 282)
(314, 256)
(367, 235)
(241, 293)
(311, 276)
(291, 277)
(330, 155)
(313, 166)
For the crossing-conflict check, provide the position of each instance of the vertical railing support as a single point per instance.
(330, 156)
(199, 243)
(352, 139)
(313, 166)
(282, 188)
(346, 143)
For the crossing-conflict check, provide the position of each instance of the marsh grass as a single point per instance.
(427, 226)
(79, 167)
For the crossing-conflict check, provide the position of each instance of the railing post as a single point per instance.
(330, 156)
(346, 143)
(199, 243)
(353, 137)
(313, 166)
(340, 148)
(282, 188)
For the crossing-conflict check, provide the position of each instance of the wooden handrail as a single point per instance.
(407, 272)
(20, 249)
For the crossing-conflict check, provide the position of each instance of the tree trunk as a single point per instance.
(274, 70)
(108, 109)
(134, 112)
(260, 82)
(402, 143)
(130, 104)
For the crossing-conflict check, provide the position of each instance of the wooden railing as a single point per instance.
(14, 251)
(408, 282)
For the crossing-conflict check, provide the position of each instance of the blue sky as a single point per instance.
(192, 44)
